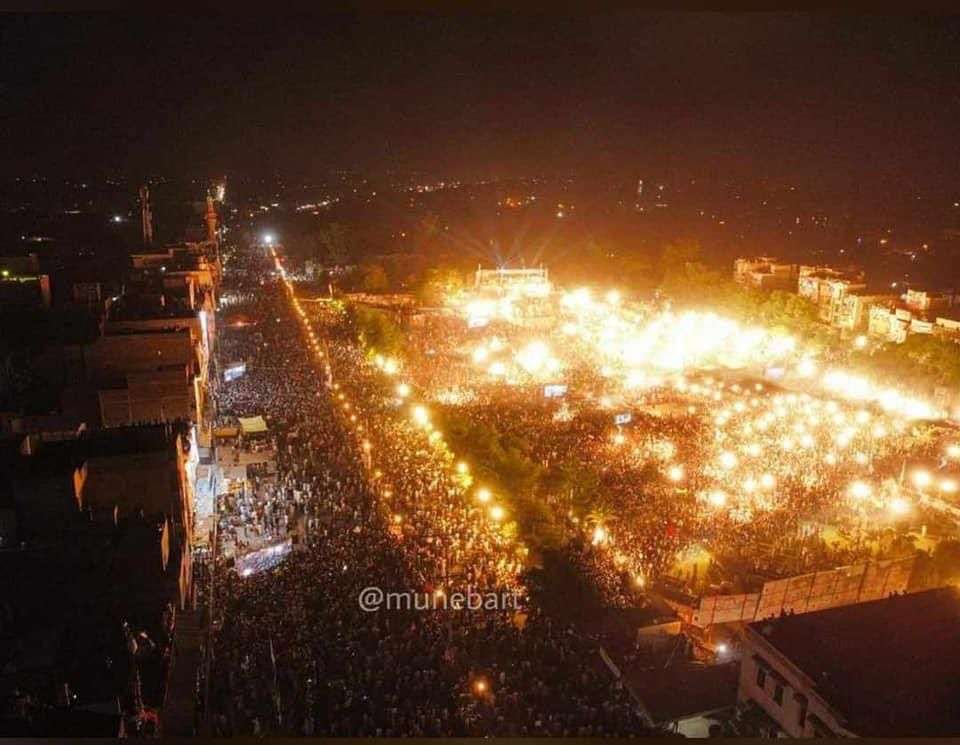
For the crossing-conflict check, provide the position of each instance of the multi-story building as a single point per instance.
(885, 668)
(888, 323)
(833, 294)
(97, 550)
(189, 270)
(926, 301)
(146, 377)
(851, 310)
(814, 282)
(765, 273)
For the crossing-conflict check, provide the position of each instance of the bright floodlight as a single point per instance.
(899, 506)
(921, 479)
(268, 238)
(420, 415)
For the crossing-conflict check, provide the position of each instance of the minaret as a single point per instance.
(211, 219)
(146, 216)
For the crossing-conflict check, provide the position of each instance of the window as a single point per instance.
(802, 715)
(761, 677)
(778, 695)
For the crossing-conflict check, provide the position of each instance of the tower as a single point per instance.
(146, 216)
(211, 220)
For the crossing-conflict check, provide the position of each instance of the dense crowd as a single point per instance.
(294, 653)
(721, 464)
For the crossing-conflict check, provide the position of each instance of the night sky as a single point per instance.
(841, 100)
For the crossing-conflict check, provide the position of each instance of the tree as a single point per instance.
(946, 561)
(677, 255)
(333, 243)
(922, 359)
(373, 278)
(577, 484)
(375, 329)
(436, 283)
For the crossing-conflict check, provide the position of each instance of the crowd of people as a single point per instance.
(735, 466)
(715, 465)
(294, 652)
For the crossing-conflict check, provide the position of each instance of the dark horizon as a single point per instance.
(838, 102)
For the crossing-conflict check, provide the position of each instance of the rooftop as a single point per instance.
(149, 306)
(684, 690)
(891, 667)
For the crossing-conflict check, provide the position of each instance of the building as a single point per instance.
(851, 310)
(43, 484)
(685, 698)
(105, 476)
(765, 273)
(188, 270)
(97, 570)
(885, 668)
(948, 325)
(927, 301)
(22, 285)
(146, 377)
(97, 516)
(889, 323)
(832, 295)
(813, 282)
